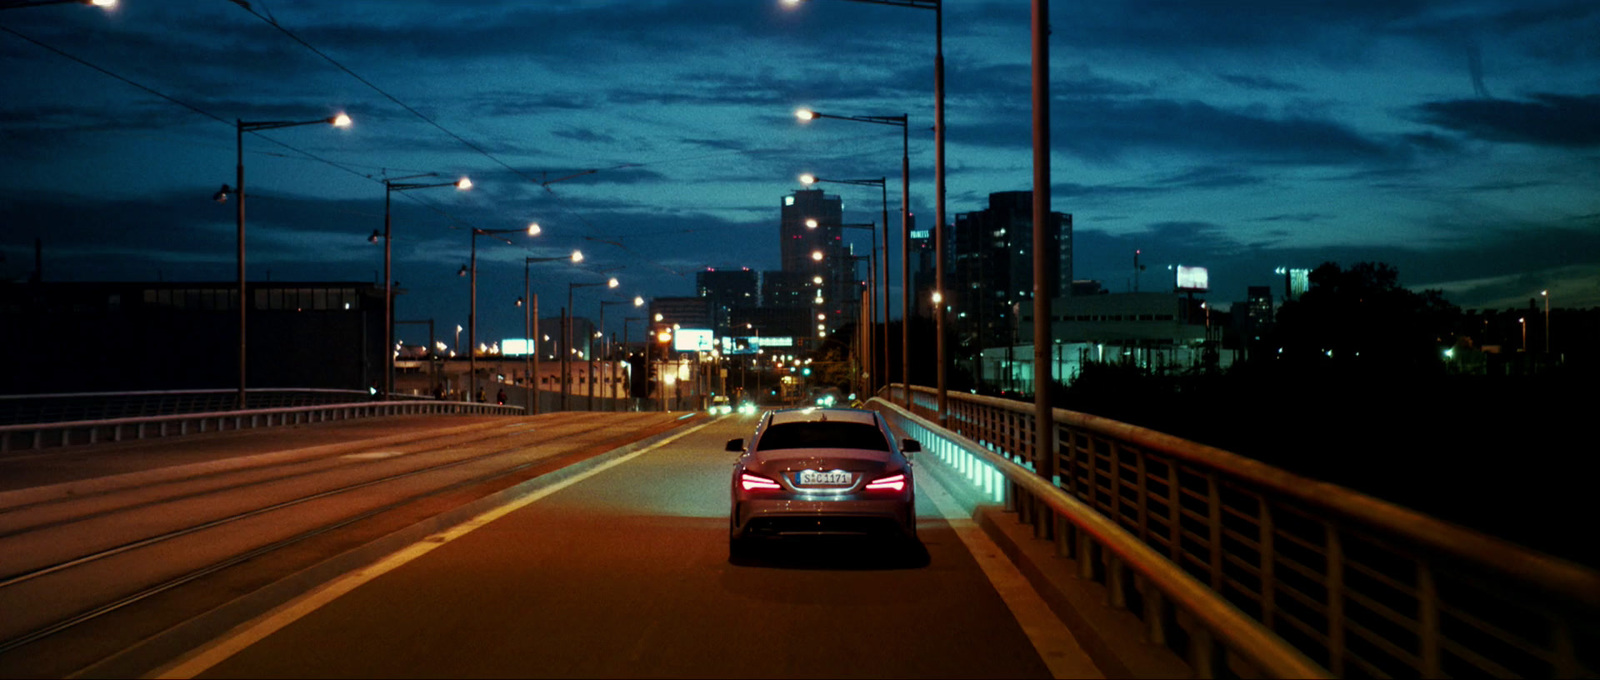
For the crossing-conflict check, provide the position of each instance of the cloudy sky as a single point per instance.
(1458, 141)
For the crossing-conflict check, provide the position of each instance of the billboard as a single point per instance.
(516, 347)
(732, 345)
(693, 340)
(1192, 278)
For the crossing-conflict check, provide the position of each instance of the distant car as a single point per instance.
(819, 472)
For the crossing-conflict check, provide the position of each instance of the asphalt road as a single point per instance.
(626, 573)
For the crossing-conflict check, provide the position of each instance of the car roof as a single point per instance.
(814, 415)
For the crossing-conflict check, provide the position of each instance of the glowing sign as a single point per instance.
(516, 347)
(1192, 278)
(693, 340)
(772, 342)
(921, 233)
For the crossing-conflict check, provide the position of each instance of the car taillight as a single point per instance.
(890, 483)
(755, 482)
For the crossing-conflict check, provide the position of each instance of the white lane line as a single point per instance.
(1055, 644)
(254, 630)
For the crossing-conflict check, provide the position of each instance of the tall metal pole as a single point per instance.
(388, 298)
(535, 337)
(472, 327)
(566, 350)
(883, 264)
(905, 258)
(243, 299)
(1044, 423)
(939, 216)
(590, 345)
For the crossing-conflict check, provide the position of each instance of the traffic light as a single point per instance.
(805, 371)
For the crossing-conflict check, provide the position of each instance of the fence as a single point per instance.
(67, 433)
(1361, 586)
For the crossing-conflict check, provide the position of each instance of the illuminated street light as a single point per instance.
(472, 314)
(901, 121)
(22, 4)
(566, 363)
(240, 127)
(938, 172)
(530, 321)
(637, 301)
(391, 185)
(1546, 295)
(816, 255)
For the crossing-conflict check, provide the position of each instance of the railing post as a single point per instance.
(1334, 556)
(1427, 621)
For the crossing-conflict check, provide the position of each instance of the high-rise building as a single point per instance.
(817, 270)
(726, 289)
(991, 263)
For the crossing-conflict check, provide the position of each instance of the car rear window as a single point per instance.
(822, 435)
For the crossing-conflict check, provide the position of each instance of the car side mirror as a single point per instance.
(910, 446)
(735, 445)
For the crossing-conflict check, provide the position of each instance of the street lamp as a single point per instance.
(938, 177)
(902, 121)
(20, 4)
(472, 313)
(637, 301)
(391, 185)
(241, 127)
(1546, 295)
(530, 312)
(883, 186)
(566, 356)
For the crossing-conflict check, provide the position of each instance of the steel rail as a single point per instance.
(1234, 629)
(1366, 585)
(240, 419)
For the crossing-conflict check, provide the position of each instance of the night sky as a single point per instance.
(1457, 141)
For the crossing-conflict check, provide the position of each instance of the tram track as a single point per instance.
(162, 563)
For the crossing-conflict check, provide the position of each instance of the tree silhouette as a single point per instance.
(1361, 319)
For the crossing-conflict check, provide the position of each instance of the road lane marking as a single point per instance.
(1051, 639)
(244, 635)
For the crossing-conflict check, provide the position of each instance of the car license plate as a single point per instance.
(818, 478)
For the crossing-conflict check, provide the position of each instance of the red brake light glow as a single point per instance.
(891, 483)
(753, 482)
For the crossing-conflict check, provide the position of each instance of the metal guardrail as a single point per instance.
(37, 436)
(1359, 585)
(1158, 582)
(20, 409)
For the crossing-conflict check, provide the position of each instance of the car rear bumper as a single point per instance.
(783, 517)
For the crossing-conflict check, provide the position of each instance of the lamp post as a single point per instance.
(883, 186)
(625, 321)
(1546, 295)
(938, 182)
(472, 313)
(391, 185)
(241, 127)
(530, 311)
(637, 302)
(902, 121)
(566, 357)
(21, 4)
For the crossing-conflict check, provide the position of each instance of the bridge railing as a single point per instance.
(1359, 585)
(67, 433)
(17, 409)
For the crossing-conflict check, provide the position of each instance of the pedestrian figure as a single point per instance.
(481, 400)
(501, 397)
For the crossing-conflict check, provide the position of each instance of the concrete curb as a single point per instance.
(1114, 639)
(170, 645)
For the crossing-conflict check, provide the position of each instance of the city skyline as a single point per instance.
(1456, 142)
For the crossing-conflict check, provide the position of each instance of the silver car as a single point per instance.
(821, 471)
